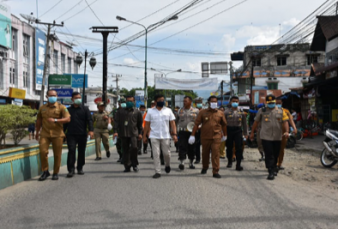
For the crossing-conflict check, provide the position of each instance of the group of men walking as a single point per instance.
(189, 128)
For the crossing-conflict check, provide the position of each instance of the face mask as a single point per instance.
(78, 101)
(271, 105)
(123, 105)
(199, 105)
(213, 105)
(235, 105)
(279, 105)
(52, 99)
(142, 112)
(160, 104)
(130, 104)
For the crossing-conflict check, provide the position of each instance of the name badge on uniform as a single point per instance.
(126, 123)
(207, 118)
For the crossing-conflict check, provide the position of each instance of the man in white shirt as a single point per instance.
(157, 123)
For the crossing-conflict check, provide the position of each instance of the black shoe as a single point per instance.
(108, 154)
(271, 175)
(222, 157)
(71, 173)
(55, 177)
(139, 153)
(239, 168)
(216, 175)
(204, 171)
(197, 162)
(157, 175)
(191, 166)
(262, 159)
(119, 160)
(80, 172)
(122, 162)
(229, 165)
(135, 168)
(162, 162)
(98, 158)
(127, 169)
(275, 172)
(281, 168)
(233, 159)
(167, 169)
(181, 166)
(145, 152)
(44, 175)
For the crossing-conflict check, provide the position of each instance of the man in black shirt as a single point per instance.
(128, 126)
(81, 119)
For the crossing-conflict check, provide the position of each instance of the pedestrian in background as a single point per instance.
(213, 124)
(122, 104)
(51, 118)
(157, 123)
(101, 130)
(80, 126)
(139, 142)
(129, 128)
(31, 130)
(273, 123)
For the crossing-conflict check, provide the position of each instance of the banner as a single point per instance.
(64, 93)
(5, 26)
(40, 45)
(186, 84)
(60, 80)
(139, 98)
(17, 93)
(77, 80)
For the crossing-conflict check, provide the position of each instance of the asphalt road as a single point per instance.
(105, 197)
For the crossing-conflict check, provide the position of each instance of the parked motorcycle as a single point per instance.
(330, 153)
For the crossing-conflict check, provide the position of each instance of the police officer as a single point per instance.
(237, 127)
(259, 140)
(129, 128)
(279, 104)
(51, 117)
(273, 121)
(186, 115)
(122, 104)
(199, 106)
(101, 130)
(213, 124)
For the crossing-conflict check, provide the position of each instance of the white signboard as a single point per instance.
(186, 84)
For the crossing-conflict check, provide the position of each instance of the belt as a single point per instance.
(234, 128)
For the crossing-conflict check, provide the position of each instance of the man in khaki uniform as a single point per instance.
(213, 123)
(199, 106)
(101, 130)
(51, 116)
(274, 123)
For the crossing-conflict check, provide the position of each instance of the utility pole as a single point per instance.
(117, 84)
(46, 56)
(231, 72)
(251, 80)
(222, 93)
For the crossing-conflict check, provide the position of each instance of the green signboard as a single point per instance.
(60, 80)
(5, 25)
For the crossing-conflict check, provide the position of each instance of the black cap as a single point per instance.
(270, 99)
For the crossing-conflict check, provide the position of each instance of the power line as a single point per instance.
(51, 8)
(94, 12)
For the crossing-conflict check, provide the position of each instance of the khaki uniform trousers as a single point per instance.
(105, 140)
(281, 152)
(57, 152)
(222, 149)
(212, 145)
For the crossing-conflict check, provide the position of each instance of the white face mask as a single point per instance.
(213, 105)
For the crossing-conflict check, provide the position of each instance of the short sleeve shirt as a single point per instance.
(100, 123)
(51, 129)
(185, 116)
(159, 122)
(271, 121)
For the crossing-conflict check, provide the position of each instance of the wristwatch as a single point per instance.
(55, 120)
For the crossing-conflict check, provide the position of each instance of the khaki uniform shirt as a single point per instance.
(51, 129)
(236, 118)
(271, 123)
(212, 122)
(185, 116)
(101, 124)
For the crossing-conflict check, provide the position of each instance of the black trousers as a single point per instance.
(81, 142)
(184, 147)
(235, 136)
(129, 146)
(119, 146)
(198, 146)
(271, 150)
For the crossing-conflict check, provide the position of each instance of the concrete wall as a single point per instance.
(23, 163)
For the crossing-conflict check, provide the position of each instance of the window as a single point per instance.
(26, 46)
(281, 61)
(25, 79)
(69, 65)
(55, 60)
(256, 62)
(272, 86)
(312, 60)
(63, 63)
(12, 75)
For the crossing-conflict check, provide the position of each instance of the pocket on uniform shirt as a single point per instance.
(56, 114)
(279, 117)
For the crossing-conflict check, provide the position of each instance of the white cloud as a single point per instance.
(130, 61)
(292, 22)
(229, 42)
(259, 35)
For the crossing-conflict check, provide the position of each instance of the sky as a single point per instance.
(223, 26)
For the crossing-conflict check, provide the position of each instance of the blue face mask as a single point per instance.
(52, 99)
(130, 104)
(123, 105)
(199, 105)
(279, 105)
(160, 104)
(234, 105)
(78, 101)
(271, 105)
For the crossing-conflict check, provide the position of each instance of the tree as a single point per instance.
(15, 119)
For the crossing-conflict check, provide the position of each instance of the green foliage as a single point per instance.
(15, 119)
